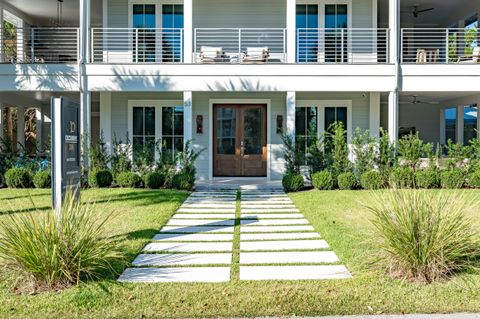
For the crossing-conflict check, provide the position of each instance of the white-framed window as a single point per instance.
(153, 122)
(306, 128)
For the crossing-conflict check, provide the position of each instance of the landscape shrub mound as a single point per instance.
(474, 179)
(402, 177)
(154, 180)
(129, 179)
(18, 178)
(100, 178)
(292, 182)
(42, 179)
(371, 180)
(427, 178)
(453, 178)
(183, 181)
(426, 236)
(347, 181)
(323, 180)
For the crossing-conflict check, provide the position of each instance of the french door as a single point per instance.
(240, 140)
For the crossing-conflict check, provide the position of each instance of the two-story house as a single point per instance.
(234, 75)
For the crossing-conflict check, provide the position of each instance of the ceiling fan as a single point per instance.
(416, 101)
(416, 12)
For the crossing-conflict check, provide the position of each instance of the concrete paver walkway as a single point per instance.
(276, 242)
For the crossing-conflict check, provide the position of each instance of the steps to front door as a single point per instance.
(276, 242)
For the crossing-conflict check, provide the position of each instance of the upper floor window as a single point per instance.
(172, 42)
(336, 37)
(307, 38)
(144, 37)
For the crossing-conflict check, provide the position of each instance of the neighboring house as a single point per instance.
(234, 75)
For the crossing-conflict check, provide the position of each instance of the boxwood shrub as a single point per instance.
(42, 179)
(474, 179)
(100, 178)
(323, 180)
(292, 182)
(427, 178)
(154, 180)
(371, 180)
(18, 178)
(402, 177)
(347, 181)
(129, 180)
(183, 181)
(453, 178)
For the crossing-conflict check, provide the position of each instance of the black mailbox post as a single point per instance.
(66, 169)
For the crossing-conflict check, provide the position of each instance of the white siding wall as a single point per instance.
(118, 13)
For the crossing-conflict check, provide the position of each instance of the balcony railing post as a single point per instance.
(401, 44)
(342, 43)
(239, 45)
(194, 45)
(447, 46)
(136, 45)
(387, 58)
(91, 46)
(32, 53)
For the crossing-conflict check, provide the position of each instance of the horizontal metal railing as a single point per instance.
(235, 43)
(440, 46)
(343, 46)
(39, 45)
(134, 45)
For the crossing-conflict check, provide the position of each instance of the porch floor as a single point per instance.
(235, 183)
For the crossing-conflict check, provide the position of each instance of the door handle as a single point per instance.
(242, 148)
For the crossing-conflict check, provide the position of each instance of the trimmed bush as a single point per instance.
(183, 181)
(129, 180)
(371, 180)
(100, 178)
(474, 179)
(452, 178)
(347, 181)
(154, 180)
(402, 177)
(58, 251)
(18, 178)
(426, 236)
(427, 178)
(323, 180)
(292, 182)
(42, 179)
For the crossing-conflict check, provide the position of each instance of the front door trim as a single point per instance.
(210, 128)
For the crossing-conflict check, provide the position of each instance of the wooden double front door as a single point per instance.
(240, 140)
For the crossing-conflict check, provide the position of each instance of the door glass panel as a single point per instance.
(226, 131)
(144, 39)
(336, 37)
(253, 131)
(138, 121)
(451, 125)
(470, 123)
(307, 29)
(172, 23)
(150, 121)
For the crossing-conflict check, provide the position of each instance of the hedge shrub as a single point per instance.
(129, 179)
(371, 180)
(402, 177)
(453, 178)
(292, 182)
(347, 181)
(154, 180)
(474, 179)
(18, 178)
(323, 180)
(183, 181)
(427, 178)
(42, 179)
(100, 178)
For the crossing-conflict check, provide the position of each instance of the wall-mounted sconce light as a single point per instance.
(199, 124)
(279, 124)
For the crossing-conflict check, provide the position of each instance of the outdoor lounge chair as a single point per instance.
(256, 55)
(470, 58)
(427, 56)
(212, 55)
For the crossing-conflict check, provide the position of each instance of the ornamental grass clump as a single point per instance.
(426, 236)
(56, 252)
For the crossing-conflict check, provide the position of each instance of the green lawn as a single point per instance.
(339, 217)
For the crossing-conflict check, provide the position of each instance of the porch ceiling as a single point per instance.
(436, 97)
(42, 12)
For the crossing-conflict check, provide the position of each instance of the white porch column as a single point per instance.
(188, 31)
(85, 98)
(39, 126)
(374, 115)
(460, 124)
(106, 118)
(290, 119)
(393, 116)
(21, 125)
(394, 26)
(187, 116)
(291, 31)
